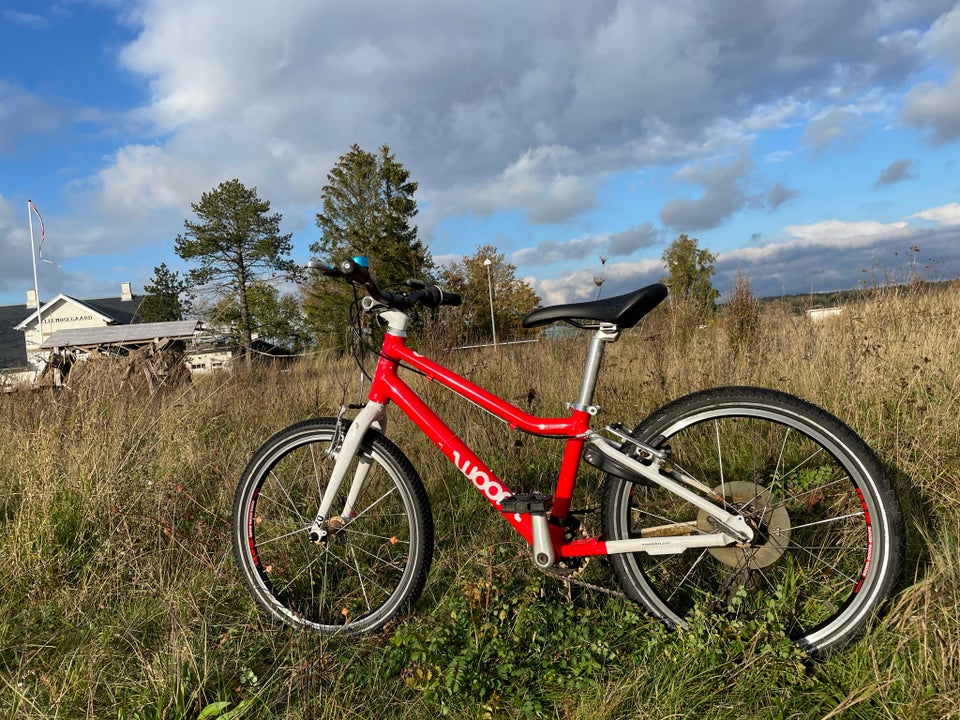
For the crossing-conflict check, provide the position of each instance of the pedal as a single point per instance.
(527, 504)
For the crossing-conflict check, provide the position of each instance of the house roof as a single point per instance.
(112, 309)
(122, 334)
(13, 349)
(15, 318)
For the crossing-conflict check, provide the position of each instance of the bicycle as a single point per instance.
(735, 499)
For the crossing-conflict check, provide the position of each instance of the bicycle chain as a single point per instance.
(571, 578)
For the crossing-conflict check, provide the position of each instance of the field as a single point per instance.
(120, 598)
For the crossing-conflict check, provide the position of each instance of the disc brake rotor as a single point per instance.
(770, 522)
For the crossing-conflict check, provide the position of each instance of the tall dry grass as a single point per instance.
(119, 597)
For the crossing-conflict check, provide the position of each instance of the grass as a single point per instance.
(120, 598)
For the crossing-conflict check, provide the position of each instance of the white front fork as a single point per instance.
(372, 414)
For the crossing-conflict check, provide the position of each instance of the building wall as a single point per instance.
(64, 315)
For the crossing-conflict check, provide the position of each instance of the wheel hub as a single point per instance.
(770, 523)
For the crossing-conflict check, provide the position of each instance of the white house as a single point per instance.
(21, 336)
(817, 314)
(26, 345)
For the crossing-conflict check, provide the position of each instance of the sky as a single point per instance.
(811, 145)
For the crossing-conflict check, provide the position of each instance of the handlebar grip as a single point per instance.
(451, 299)
(432, 295)
(325, 269)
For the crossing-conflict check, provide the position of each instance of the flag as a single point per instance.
(43, 234)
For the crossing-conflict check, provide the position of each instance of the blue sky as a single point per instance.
(809, 144)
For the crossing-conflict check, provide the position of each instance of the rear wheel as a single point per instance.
(373, 563)
(828, 542)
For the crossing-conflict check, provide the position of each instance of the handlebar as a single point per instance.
(357, 271)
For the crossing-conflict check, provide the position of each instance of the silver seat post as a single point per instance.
(591, 371)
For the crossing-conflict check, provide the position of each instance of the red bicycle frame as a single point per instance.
(545, 534)
(388, 386)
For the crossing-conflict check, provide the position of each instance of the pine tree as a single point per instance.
(166, 296)
(237, 244)
(368, 208)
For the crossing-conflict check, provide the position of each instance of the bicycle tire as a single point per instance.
(829, 533)
(366, 572)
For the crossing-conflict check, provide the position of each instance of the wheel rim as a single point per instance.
(354, 580)
(814, 551)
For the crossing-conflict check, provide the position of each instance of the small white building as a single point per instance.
(21, 335)
(26, 345)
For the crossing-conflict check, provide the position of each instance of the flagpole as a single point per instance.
(33, 256)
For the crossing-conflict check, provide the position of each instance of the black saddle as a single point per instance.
(624, 311)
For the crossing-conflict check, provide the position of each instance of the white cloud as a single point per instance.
(943, 37)
(837, 254)
(934, 106)
(841, 233)
(552, 251)
(24, 113)
(142, 179)
(621, 243)
(771, 117)
(541, 182)
(845, 126)
(471, 96)
(945, 215)
(724, 194)
(897, 171)
(29, 20)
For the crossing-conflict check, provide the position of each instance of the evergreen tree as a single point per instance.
(166, 296)
(368, 207)
(237, 244)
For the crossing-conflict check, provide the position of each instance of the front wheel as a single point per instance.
(828, 542)
(375, 560)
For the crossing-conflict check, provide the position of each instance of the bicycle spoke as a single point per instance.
(689, 573)
(284, 536)
(778, 463)
(367, 567)
(290, 505)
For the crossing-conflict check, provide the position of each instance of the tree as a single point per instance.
(276, 317)
(368, 207)
(689, 269)
(166, 296)
(477, 282)
(236, 243)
